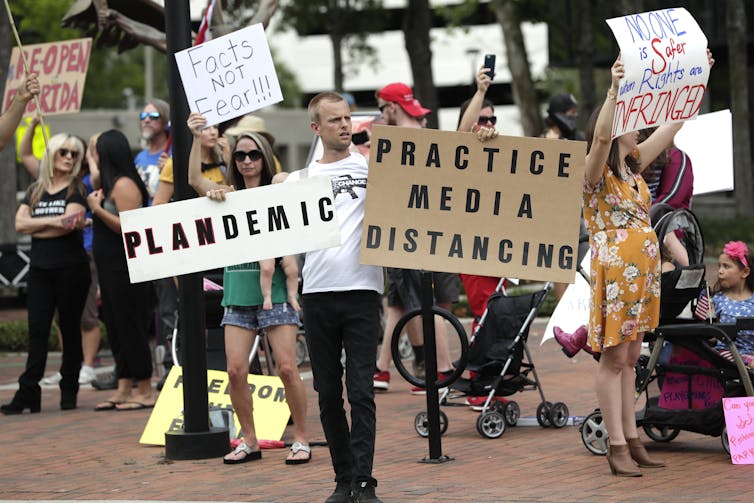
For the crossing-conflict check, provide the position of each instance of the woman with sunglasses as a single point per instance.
(52, 212)
(251, 166)
(213, 166)
(126, 306)
(478, 111)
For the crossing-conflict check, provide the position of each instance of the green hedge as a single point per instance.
(14, 336)
(717, 232)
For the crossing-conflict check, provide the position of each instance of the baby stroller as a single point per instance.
(691, 376)
(500, 364)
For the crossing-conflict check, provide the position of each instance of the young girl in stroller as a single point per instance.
(734, 296)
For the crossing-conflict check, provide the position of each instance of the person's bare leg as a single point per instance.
(392, 315)
(282, 339)
(90, 340)
(609, 386)
(444, 362)
(290, 268)
(628, 389)
(559, 289)
(238, 342)
(266, 270)
(143, 394)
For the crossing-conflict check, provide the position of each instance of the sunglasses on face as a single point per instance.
(152, 115)
(240, 155)
(483, 119)
(64, 153)
(383, 106)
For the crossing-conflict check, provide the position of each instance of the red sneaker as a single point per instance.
(382, 380)
(416, 390)
(477, 402)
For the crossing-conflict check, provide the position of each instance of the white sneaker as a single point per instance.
(53, 379)
(86, 375)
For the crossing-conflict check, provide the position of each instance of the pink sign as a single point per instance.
(739, 420)
(61, 67)
(705, 391)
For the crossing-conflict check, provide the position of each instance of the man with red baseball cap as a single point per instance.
(399, 107)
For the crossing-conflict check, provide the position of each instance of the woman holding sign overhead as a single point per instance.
(252, 302)
(625, 270)
(126, 306)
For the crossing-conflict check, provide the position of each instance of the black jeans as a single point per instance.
(127, 310)
(350, 320)
(64, 288)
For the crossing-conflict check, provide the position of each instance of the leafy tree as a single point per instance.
(735, 21)
(346, 22)
(416, 25)
(509, 16)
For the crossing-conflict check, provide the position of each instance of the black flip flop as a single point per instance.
(106, 405)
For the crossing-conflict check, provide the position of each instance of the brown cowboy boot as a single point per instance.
(640, 454)
(620, 462)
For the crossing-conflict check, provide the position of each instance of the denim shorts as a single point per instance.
(254, 317)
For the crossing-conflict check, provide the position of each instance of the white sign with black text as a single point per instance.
(229, 76)
(201, 234)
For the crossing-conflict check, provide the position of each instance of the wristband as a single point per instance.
(611, 95)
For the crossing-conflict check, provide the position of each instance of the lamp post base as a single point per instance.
(214, 443)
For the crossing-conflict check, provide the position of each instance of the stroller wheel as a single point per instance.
(511, 412)
(491, 424)
(724, 438)
(544, 411)
(421, 424)
(559, 414)
(594, 433)
(660, 433)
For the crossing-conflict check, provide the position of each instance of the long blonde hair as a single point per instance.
(47, 167)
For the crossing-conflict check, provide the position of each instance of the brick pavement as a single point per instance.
(86, 455)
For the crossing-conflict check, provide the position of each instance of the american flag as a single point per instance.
(702, 311)
(204, 32)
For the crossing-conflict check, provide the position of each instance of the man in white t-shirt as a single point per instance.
(341, 302)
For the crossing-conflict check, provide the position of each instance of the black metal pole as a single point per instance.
(430, 362)
(197, 441)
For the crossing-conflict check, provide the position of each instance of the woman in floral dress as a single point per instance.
(625, 270)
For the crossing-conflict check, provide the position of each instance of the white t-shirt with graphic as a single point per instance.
(338, 269)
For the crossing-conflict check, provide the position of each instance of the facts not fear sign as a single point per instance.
(229, 76)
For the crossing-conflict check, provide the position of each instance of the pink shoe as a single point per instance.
(573, 343)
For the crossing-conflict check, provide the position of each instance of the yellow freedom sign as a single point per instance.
(271, 411)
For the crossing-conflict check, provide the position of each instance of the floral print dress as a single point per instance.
(625, 264)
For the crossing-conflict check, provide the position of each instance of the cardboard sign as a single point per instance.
(739, 421)
(713, 167)
(665, 59)
(270, 408)
(444, 201)
(61, 67)
(229, 76)
(200, 234)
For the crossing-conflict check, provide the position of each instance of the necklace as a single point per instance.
(626, 172)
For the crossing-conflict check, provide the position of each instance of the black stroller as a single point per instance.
(500, 363)
(691, 377)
